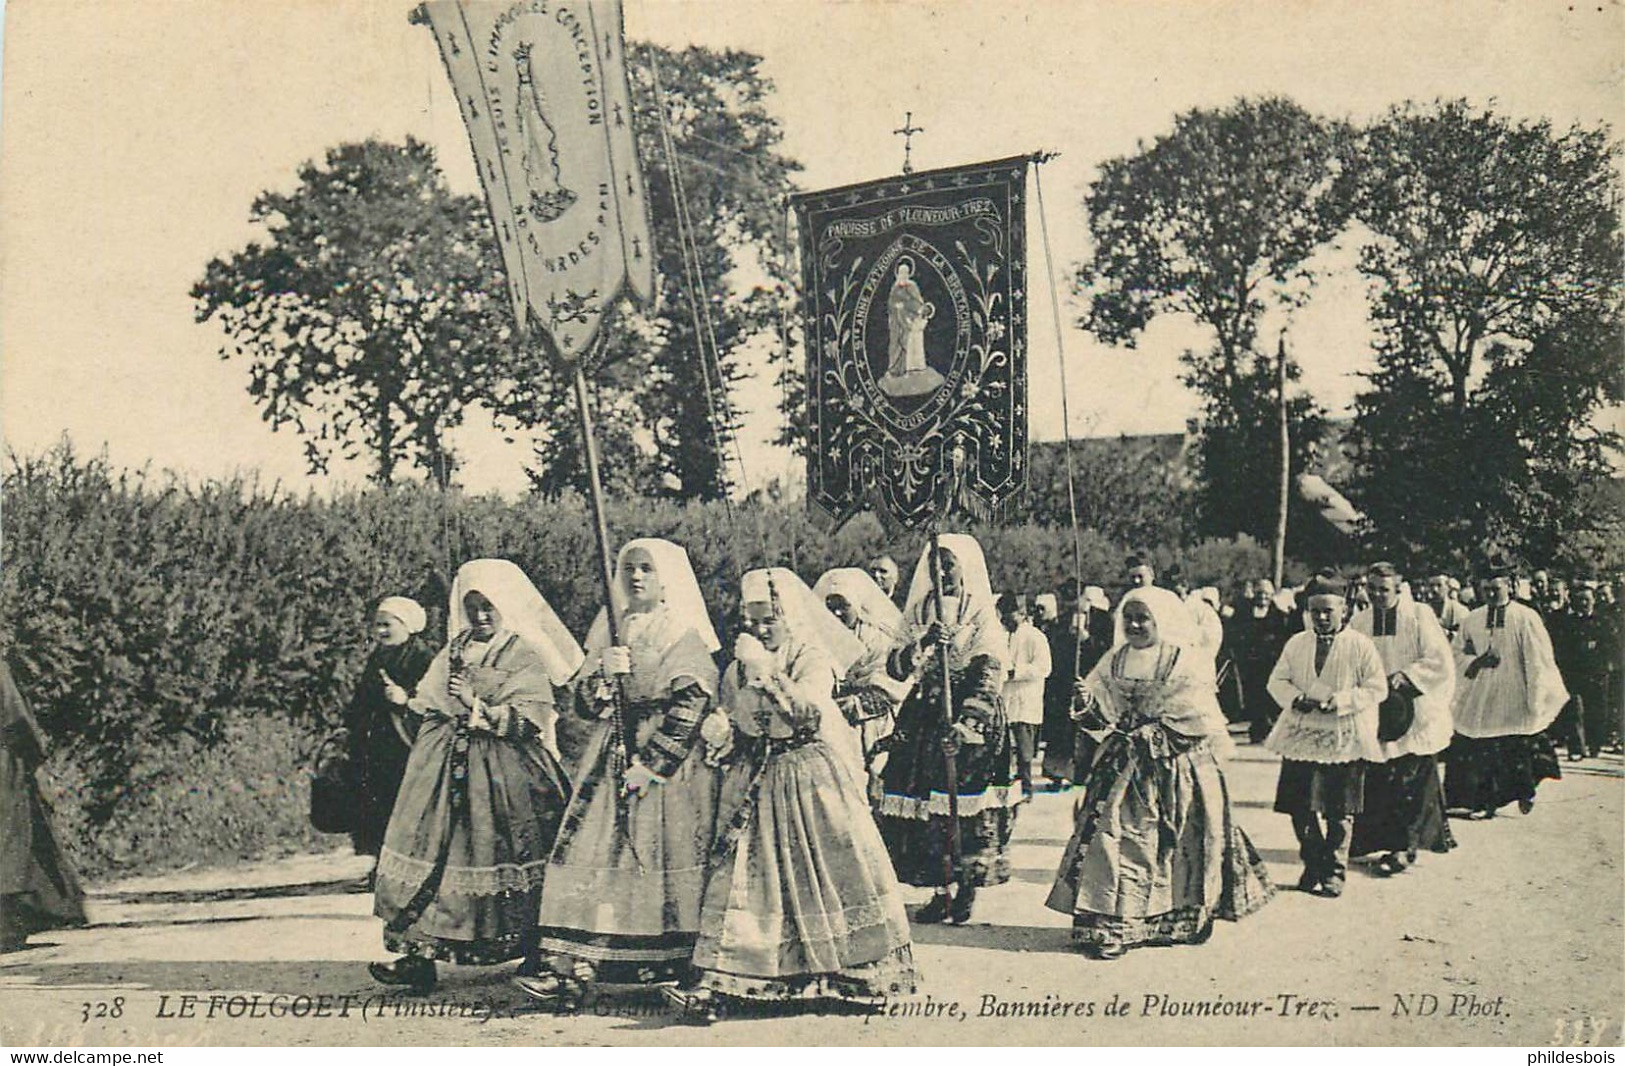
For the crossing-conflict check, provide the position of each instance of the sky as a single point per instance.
(137, 132)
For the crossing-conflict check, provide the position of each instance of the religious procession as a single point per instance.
(741, 783)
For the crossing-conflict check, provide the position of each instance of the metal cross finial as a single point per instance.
(907, 132)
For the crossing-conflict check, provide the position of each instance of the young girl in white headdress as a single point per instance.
(1155, 854)
(802, 903)
(460, 875)
(624, 886)
(914, 809)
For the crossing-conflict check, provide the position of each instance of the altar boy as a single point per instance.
(1328, 682)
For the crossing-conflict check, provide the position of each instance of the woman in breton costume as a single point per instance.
(1156, 854)
(1328, 683)
(380, 736)
(914, 813)
(867, 695)
(802, 902)
(39, 889)
(625, 882)
(460, 874)
(1508, 692)
(1404, 804)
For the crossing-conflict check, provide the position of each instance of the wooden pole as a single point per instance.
(1279, 555)
(950, 767)
(606, 564)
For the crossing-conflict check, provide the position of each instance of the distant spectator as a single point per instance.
(1257, 633)
(380, 732)
(1139, 572)
(883, 568)
(1027, 667)
(1445, 606)
(38, 887)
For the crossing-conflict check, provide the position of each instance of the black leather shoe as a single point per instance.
(405, 972)
(1309, 881)
(697, 1007)
(1332, 887)
(964, 900)
(1389, 865)
(934, 912)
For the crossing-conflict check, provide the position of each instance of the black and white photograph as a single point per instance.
(822, 523)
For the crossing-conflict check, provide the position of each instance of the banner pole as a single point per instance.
(606, 565)
(950, 766)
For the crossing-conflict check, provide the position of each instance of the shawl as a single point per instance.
(1184, 701)
(530, 652)
(808, 677)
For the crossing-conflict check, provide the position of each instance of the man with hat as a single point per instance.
(1404, 807)
(1329, 683)
(1589, 657)
(1508, 691)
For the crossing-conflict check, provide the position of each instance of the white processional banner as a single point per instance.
(542, 85)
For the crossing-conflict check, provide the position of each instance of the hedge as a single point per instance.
(187, 645)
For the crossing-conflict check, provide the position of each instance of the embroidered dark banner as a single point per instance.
(916, 319)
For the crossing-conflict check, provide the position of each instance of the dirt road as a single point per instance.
(1514, 938)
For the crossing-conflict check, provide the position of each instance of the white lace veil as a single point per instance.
(803, 612)
(522, 610)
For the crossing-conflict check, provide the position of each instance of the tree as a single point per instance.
(373, 314)
(1495, 258)
(1217, 221)
(1135, 491)
(665, 432)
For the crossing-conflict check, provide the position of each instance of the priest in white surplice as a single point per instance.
(1508, 690)
(1404, 804)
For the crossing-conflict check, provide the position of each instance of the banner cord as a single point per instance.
(703, 328)
(1066, 413)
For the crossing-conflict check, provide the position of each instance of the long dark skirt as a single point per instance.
(1483, 774)
(38, 887)
(1404, 808)
(913, 811)
(460, 876)
(1335, 790)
